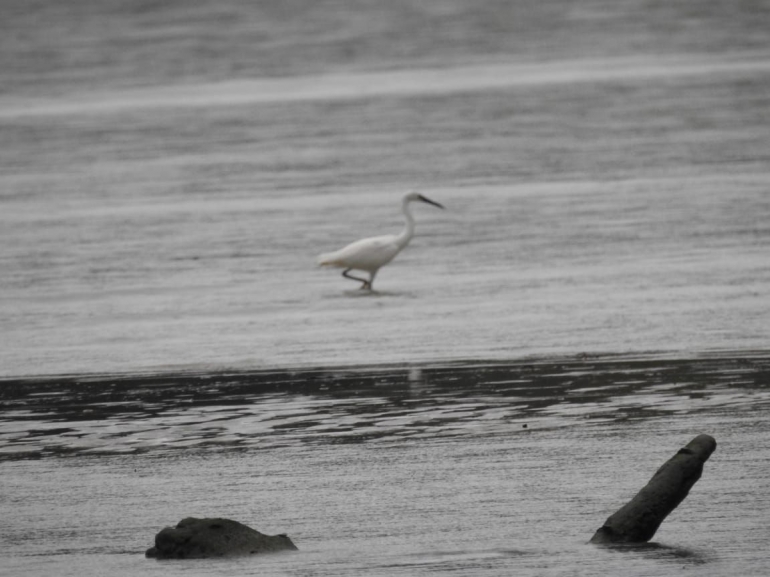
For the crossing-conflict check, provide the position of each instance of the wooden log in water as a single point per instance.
(639, 519)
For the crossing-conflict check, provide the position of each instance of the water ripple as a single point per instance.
(133, 414)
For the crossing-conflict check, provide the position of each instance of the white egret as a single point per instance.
(370, 254)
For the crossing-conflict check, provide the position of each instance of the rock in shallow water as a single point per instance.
(203, 538)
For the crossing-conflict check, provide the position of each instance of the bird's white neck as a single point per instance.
(406, 235)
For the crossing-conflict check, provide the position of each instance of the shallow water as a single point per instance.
(485, 469)
(195, 248)
(169, 173)
(605, 193)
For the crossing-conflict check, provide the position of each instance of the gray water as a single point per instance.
(169, 348)
(490, 469)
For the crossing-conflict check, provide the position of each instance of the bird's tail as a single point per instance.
(327, 259)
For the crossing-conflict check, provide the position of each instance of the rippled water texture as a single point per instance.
(490, 469)
(267, 410)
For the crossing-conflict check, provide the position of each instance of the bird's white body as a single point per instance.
(367, 254)
(370, 254)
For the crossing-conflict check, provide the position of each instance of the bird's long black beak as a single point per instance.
(429, 201)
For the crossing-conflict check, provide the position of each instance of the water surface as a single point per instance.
(594, 296)
(486, 469)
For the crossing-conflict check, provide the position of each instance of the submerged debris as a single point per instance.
(639, 519)
(203, 538)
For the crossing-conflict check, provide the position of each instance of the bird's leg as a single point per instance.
(366, 285)
(371, 280)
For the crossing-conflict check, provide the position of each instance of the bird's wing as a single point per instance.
(366, 254)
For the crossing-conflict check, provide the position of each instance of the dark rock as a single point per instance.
(202, 538)
(639, 519)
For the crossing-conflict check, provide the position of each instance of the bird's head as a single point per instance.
(415, 196)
